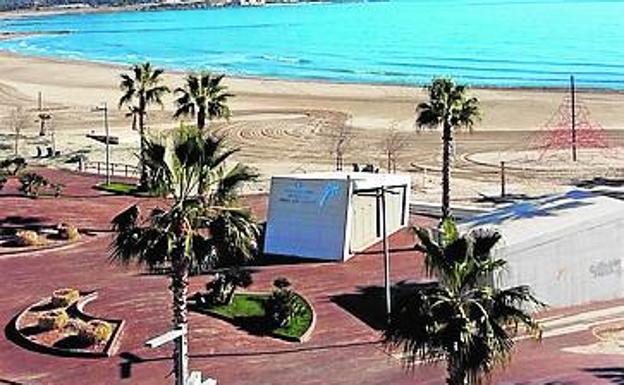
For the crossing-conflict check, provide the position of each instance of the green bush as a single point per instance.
(53, 320)
(222, 288)
(32, 184)
(12, 166)
(282, 306)
(64, 297)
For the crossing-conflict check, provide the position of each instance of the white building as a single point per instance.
(332, 215)
(568, 248)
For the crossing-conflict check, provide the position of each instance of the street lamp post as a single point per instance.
(104, 108)
(380, 193)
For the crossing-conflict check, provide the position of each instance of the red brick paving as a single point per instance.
(342, 350)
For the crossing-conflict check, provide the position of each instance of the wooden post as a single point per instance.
(502, 175)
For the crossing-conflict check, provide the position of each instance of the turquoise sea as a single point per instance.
(535, 43)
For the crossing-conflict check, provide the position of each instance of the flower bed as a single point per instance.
(57, 325)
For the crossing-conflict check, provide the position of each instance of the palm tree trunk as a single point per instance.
(179, 289)
(447, 138)
(144, 178)
(201, 118)
(455, 375)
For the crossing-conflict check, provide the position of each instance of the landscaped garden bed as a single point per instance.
(282, 314)
(57, 325)
(20, 239)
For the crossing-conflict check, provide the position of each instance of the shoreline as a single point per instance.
(5, 35)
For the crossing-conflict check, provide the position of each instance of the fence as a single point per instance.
(116, 169)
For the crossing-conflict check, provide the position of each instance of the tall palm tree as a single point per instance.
(141, 88)
(449, 107)
(463, 318)
(192, 229)
(204, 97)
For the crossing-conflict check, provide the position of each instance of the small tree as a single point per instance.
(18, 121)
(222, 288)
(338, 140)
(282, 306)
(393, 144)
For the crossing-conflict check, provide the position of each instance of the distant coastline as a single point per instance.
(170, 5)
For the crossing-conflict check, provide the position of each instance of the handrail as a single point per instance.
(99, 168)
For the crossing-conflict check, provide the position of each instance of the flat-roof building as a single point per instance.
(568, 247)
(332, 215)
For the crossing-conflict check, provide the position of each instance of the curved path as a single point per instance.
(342, 350)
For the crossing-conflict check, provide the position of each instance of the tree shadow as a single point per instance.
(44, 307)
(369, 303)
(600, 182)
(72, 342)
(546, 207)
(20, 220)
(256, 325)
(613, 374)
(32, 330)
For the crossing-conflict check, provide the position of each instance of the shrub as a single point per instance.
(68, 232)
(222, 288)
(32, 183)
(53, 320)
(64, 297)
(94, 331)
(12, 166)
(28, 238)
(282, 305)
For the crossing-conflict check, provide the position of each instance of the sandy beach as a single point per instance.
(285, 126)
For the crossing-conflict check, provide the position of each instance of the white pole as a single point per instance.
(386, 251)
(181, 358)
(108, 177)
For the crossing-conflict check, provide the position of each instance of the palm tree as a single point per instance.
(451, 108)
(463, 318)
(203, 97)
(141, 88)
(192, 229)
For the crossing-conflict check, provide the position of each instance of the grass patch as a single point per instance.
(123, 189)
(247, 312)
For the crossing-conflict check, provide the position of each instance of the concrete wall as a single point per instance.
(572, 266)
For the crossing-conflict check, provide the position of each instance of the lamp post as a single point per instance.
(380, 193)
(104, 108)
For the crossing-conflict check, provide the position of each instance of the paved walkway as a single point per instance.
(344, 349)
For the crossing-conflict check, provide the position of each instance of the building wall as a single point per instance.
(574, 266)
(366, 225)
(307, 218)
